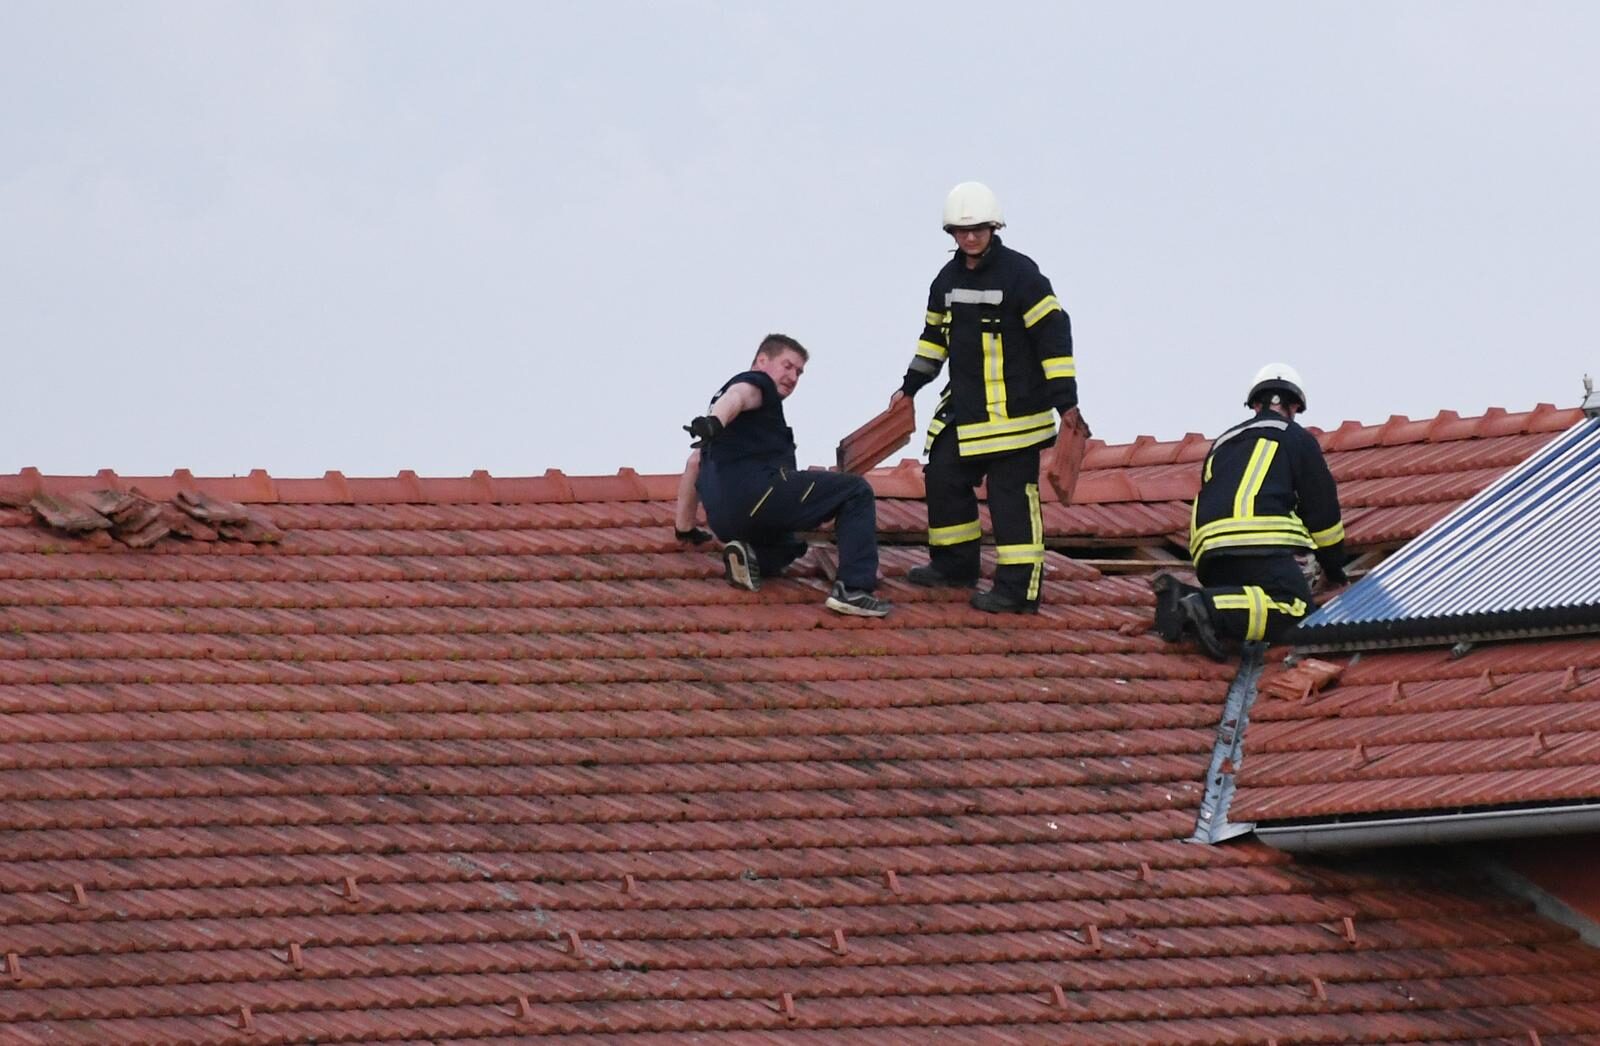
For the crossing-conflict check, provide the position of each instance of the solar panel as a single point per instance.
(1522, 558)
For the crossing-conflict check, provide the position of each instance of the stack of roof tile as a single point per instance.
(476, 760)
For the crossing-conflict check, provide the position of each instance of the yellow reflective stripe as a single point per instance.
(1059, 367)
(954, 535)
(763, 500)
(1253, 602)
(998, 444)
(1332, 536)
(1295, 609)
(1006, 426)
(1037, 519)
(1256, 629)
(1207, 477)
(1006, 555)
(933, 318)
(809, 489)
(931, 350)
(994, 375)
(1288, 526)
(1255, 474)
(1048, 304)
(938, 423)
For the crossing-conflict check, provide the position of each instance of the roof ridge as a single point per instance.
(903, 480)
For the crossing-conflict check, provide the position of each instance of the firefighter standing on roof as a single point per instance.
(1266, 494)
(994, 317)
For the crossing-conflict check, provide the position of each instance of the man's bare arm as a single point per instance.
(688, 508)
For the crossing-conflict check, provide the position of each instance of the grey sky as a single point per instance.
(520, 236)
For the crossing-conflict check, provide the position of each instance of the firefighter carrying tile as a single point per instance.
(994, 317)
(1266, 495)
(756, 498)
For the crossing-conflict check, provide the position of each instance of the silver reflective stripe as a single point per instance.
(966, 296)
(1264, 423)
(924, 366)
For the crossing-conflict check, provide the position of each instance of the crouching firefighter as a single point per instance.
(756, 499)
(993, 315)
(1266, 494)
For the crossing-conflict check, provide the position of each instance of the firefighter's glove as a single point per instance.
(704, 430)
(692, 536)
(1333, 570)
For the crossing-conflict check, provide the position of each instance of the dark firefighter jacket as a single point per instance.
(1009, 345)
(1265, 488)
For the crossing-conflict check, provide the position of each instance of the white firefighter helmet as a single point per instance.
(972, 203)
(1280, 378)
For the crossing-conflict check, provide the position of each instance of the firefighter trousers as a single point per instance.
(953, 528)
(1254, 598)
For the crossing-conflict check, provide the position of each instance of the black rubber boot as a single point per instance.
(1169, 617)
(1197, 614)
(992, 602)
(930, 576)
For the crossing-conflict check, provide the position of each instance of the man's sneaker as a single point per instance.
(930, 576)
(739, 566)
(1197, 614)
(851, 601)
(992, 602)
(1169, 618)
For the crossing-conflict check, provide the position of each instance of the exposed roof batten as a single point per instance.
(1522, 558)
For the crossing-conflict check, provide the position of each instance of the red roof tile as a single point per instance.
(1422, 730)
(481, 758)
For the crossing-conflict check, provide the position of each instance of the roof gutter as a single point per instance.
(1431, 829)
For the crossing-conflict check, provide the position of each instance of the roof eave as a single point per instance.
(1431, 829)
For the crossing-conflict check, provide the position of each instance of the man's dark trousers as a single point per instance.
(764, 506)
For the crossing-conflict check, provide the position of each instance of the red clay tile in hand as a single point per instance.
(886, 433)
(1066, 457)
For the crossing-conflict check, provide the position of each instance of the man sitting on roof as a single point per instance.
(755, 497)
(1265, 493)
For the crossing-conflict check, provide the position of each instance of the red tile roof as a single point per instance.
(1421, 730)
(1396, 479)
(468, 760)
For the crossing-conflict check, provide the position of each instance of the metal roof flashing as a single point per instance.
(1520, 559)
(1433, 829)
